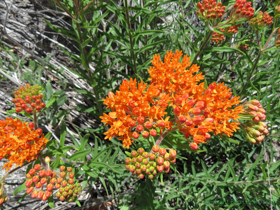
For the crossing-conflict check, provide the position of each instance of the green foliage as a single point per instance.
(229, 174)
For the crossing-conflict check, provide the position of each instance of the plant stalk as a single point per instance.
(253, 69)
(130, 37)
(202, 46)
(83, 51)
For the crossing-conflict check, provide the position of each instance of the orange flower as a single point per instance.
(173, 85)
(18, 142)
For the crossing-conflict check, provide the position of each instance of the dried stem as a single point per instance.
(15, 169)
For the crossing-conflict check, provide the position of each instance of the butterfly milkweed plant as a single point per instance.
(171, 114)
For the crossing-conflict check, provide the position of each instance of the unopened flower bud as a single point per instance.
(166, 164)
(194, 146)
(162, 151)
(133, 153)
(29, 190)
(47, 159)
(145, 155)
(28, 183)
(173, 160)
(155, 148)
(160, 160)
(141, 176)
(160, 168)
(166, 156)
(141, 151)
(62, 168)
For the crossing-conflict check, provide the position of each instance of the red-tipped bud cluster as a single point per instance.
(232, 29)
(47, 180)
(261, 20)
(28, 98)
(243, 47)
(277, 39)
(69, 193)
(241, 10)
(255, 129)
(3, 194)
(217, 38)
(255, 108)
(210, 10)
(143, 163)
(255, 132)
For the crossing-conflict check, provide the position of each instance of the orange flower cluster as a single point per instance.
(19, 142)
(28, 95)
(241, 10)
(210, 9)
(173, 84)
(217, 38)
(277, 39)
(261, 20)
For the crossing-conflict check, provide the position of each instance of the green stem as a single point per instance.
(65, 9)
(253, 69)
(130, 37)
(83, 51)
(202, 46)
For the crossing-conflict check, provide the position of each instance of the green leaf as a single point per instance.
(49, 90)
(19, 189)
(222, 49)
(78, 203)
(56, 162)
(79, 154)
(50, 202)
(50, 102)
(128, 153)
(62, 134)
(264, 170)
(84, 141)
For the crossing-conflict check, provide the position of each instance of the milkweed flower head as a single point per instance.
(142, 163)
(217, 37)
(210, 10)
(196, 111)
(40, 183)
(261, 20)
(232, 29)
(28, 98)
(241, 10)
(255, 129)
(19, 142)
